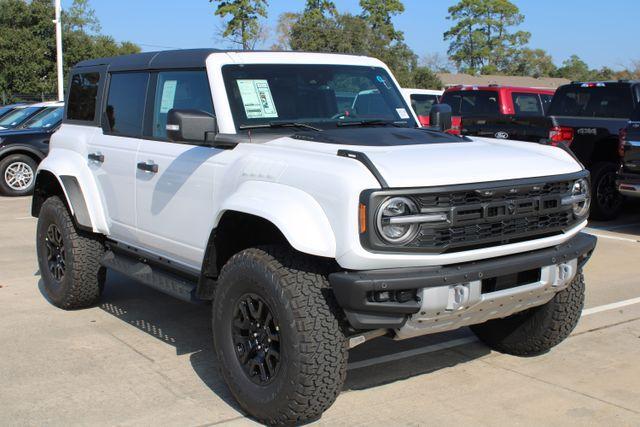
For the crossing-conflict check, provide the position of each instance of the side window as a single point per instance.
(179, 90)
(83, 92)
(126, 102)
(527, 104)
(546, 102)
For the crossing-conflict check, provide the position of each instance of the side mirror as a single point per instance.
(440, 117)
(191, 126)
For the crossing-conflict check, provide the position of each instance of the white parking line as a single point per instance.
(606, 236)
(468, 340)
(612, 306)
(25, 217)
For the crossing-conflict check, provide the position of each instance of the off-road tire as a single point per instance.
(313, 348)
(538, 329)
(83, 279)
(606, 172)
(15, 159)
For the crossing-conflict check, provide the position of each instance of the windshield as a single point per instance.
(472, 102)
(16, 117)
(421, 103)
(46, 119)
(4, 110)
(322, 95)
(593, 100)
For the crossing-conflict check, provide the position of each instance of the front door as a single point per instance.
(175, 182)
(112, 153)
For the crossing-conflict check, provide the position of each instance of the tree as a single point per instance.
(242, 27)
(283, 30)
(437, 62)
(26, 31)
(424, 78)
(482, 40)
(531, 62)
(574, 68)
(378, 14)
(80, 16)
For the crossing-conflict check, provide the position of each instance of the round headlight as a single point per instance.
(396, 232)
(582, 194)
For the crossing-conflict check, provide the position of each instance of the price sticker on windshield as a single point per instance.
(402, 113)
(257, 99)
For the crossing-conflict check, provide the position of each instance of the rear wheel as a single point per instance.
(69, 259)
(607, 201)
(17, 173)
(277, 336)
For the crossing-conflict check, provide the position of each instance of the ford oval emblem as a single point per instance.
(502, 135)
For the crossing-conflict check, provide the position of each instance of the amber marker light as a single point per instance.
(362, 217)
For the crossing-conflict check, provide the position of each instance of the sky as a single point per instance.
(602, 34)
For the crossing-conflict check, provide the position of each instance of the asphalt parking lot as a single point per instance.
(142, 358)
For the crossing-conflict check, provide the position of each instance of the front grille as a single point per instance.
(483, 215)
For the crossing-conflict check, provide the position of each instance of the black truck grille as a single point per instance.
(484, 215)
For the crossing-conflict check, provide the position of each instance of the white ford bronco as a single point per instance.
(297, 193)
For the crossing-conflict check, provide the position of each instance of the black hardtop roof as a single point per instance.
(164, 59)
(183, 58)
(607, 82)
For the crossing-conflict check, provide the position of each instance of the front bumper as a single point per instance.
(452, 288)
(628, 184)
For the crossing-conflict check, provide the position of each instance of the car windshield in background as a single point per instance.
(593, 100)
(45, 119)
(472, 103)
(18, 116)
(422, 104)
(321, 95)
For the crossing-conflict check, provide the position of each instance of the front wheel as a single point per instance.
(538, 329)
(69, 259)
(17, 173)
(607, 201)
(277, 335)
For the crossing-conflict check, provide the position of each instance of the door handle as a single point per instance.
(148, 167)
(96, 157)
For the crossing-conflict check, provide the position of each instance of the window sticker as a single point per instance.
(168, 95)
(256, 98)
(402, 113)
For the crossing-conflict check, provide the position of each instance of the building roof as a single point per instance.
(449, 79)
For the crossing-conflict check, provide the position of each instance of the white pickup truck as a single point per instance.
(298, 194)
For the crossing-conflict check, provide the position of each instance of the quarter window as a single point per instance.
(83, 92)
(126, 102)
(179, 90)
(527, 104)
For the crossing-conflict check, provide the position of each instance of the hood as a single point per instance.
(427, 161)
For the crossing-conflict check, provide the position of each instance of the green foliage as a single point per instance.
(425, 78)
(531, 62)
(28, 46)
(481, 39)
(243, 27)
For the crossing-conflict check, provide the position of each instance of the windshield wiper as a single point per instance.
(279, 125)
(375, 122)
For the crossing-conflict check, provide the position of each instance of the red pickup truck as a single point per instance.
(497, 111)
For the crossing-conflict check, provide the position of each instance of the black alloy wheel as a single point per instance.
(55, 252)
(256, 337)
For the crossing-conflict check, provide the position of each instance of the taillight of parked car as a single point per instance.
(622, 141)
(456, 126)
(560, 134)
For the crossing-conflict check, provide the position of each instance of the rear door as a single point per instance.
(528, 122)
(175, 181)
(480, 112)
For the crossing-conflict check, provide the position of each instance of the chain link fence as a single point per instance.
(10, 98)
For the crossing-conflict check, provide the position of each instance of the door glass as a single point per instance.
(526, 104)
(422, 103)
(546, 102)
(83, 92)
(179, 90)
(126, 101)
